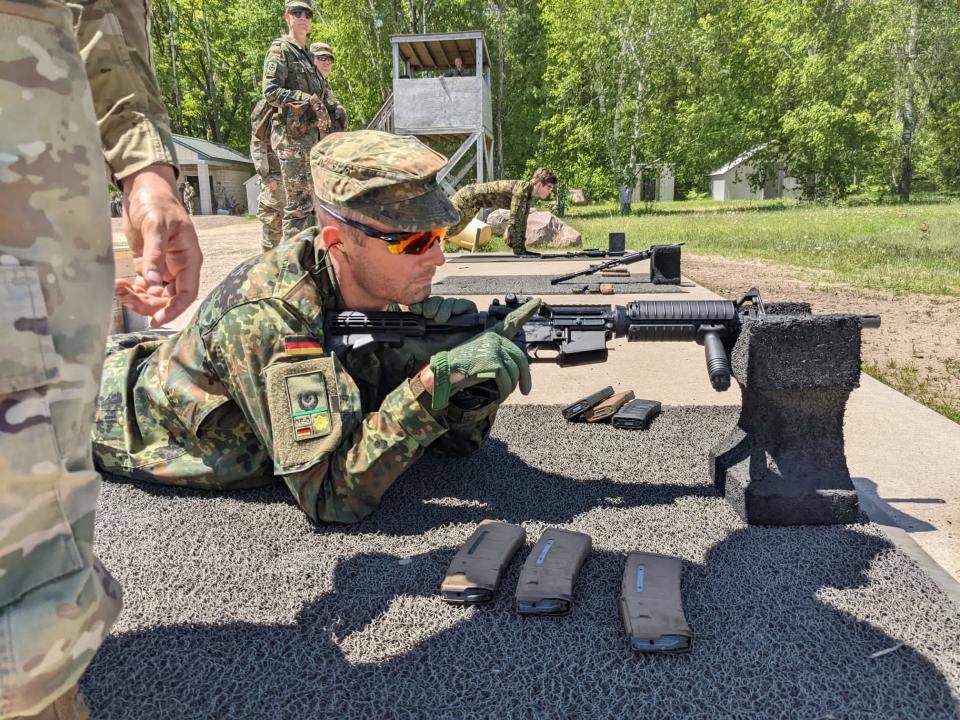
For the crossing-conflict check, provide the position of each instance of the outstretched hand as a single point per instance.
(166, 251)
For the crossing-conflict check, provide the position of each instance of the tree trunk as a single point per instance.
(626, 199)
(907, 112)
(500, 54)
(177, 100)
(211, 99)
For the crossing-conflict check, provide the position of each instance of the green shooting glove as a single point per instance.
(441, 309)
(491, 355)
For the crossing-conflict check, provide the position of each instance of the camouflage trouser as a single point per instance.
(294, 159)
(56, 281)
(272, 197)
(513, 194)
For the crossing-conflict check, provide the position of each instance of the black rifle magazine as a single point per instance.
(575, 410)
(636, 415)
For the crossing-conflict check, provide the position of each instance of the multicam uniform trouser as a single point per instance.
(56, 281)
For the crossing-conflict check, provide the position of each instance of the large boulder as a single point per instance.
(546, 230)
(577, 197)
(498, 221)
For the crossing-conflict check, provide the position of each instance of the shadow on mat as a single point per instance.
(769, 643)
(493, 482)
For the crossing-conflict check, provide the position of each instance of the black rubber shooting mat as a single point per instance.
(238, 607)
(540, 285)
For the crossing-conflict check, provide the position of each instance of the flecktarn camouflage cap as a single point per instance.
(387, 177)
(293, 4)
(318, 49)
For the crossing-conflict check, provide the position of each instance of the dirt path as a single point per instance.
(917, 348)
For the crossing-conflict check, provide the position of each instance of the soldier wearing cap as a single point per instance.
(249, 391)
(292, 85)
(513, 194)
(323, 60)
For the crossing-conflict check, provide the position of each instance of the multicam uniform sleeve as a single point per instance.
(345, 460)
(519, 210)
(134, 127)
(275, 90)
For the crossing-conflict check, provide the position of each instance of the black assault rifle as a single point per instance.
(572, 333)
(625, 259)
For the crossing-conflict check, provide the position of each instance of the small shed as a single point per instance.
(655, 182)
(217, 173)
(434, 106)
(732, 181)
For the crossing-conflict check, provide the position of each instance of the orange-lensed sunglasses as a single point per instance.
(398, 243)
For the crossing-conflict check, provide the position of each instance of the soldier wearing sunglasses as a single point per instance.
(247, 394)
(323, 60)
(292, 85)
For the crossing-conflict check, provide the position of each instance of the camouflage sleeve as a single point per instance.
(347, 484)
(519, 210)
(134, 127)
(275, 90)
(471, 199)
(338, 476)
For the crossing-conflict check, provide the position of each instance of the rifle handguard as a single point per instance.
(441, 381)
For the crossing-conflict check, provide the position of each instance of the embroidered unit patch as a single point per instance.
(309, 405)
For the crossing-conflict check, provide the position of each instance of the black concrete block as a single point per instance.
(665, 265)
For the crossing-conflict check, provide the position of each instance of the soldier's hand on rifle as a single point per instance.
(441, 309)
(166, 251)
(515, 319)
(491, 356)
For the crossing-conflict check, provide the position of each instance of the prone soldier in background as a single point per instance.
(57, 602)
(292, 84)
(323, 60)
(515, 194)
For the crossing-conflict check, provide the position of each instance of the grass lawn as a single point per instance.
(904, 248)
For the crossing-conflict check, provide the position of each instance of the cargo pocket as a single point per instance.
(38, 544)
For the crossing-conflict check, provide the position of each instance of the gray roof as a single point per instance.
(209, 150)
(739, 159)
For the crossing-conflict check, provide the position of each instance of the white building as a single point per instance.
(654, 182)
(732, 181)
(217, 173)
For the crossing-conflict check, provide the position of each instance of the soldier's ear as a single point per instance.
(330, 235)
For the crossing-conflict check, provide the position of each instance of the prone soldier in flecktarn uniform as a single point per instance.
(293, 85)
(249, 391)
(513, 194)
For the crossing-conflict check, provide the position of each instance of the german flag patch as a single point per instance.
(302, 346)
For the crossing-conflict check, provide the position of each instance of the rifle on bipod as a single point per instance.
(573, 333)
(627, 259)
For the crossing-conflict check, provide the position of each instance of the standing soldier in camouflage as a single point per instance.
(188, 194)
(292, 84)
(272, 198)
(515, 194)
(249, 390)
(323, 60)
(57, 602)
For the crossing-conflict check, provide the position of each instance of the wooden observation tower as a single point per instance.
(435, 108)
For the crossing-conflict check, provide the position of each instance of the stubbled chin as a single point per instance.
(419, 293)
